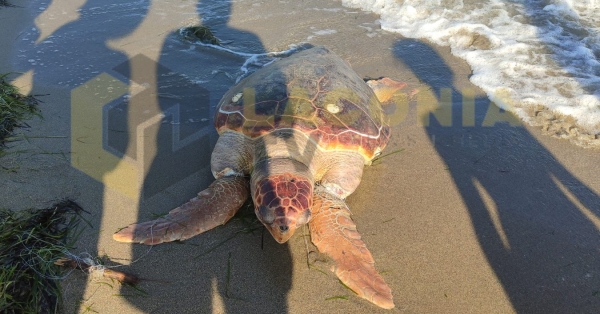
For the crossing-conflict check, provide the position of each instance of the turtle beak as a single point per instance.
(282, 229)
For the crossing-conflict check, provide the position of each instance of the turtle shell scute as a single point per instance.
(314, 92)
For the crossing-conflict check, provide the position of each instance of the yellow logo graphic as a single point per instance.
(88, 155)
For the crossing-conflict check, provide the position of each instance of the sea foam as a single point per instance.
(538, 59)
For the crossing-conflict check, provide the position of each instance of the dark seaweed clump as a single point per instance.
(14, 109)
(201, 33)
(31, 241)
(4, 3)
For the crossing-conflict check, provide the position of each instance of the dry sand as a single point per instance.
(466, 219)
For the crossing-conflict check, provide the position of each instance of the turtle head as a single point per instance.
(282, 203)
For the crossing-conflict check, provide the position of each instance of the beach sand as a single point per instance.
(465, 219)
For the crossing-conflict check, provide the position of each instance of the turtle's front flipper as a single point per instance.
(211, 208)
(334, 233)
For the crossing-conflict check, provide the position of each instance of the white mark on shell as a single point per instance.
(227, 172)
(236, 97)
(377, 151)
(333, 108)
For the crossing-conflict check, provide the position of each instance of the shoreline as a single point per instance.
(561, 100)
(465, 219)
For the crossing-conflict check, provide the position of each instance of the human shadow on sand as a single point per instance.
(189, 84)
(529, 213)
(234, 268)
(65, 49)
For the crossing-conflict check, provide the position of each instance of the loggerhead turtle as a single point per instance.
(295, 135)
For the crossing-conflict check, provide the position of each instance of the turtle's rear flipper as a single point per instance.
(334, 233)
(211, 208)
(384, 88)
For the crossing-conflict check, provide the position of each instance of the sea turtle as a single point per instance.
(295, 135)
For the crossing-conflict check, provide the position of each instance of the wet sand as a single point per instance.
(466, 219)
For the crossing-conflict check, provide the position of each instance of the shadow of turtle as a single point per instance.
(535, 221)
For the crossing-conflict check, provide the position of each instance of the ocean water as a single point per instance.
(539, 59)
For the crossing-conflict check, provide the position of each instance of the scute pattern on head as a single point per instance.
(313, 91)
(283, 204)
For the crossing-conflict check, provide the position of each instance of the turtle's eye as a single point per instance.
(265, 214)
